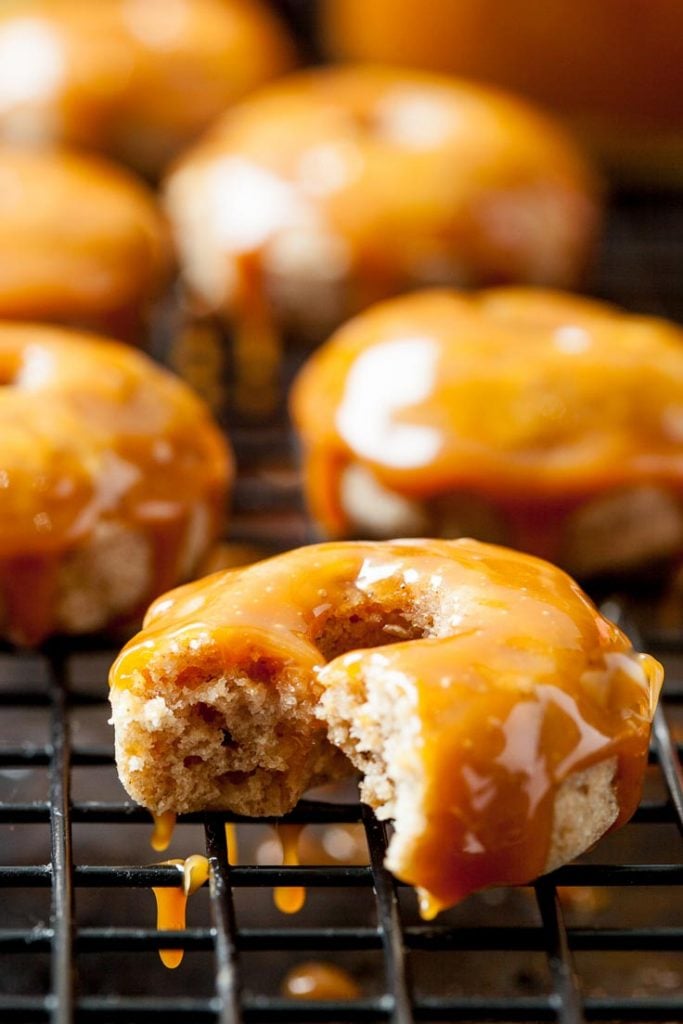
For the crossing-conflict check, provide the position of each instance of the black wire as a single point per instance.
(388, 920)
(62, 968)
(568, 999)
(223, 911)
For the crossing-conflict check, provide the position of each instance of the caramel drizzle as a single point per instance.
(231, 843)
(428, 905)
(289, 899)
(162, 833)
(172, 901)
(257, 342)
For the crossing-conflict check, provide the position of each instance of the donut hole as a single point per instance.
(370, 625)
(241, 732)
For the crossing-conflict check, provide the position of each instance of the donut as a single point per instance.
(496, 716)
(82, 243)
(521, 416)
(135, 79)
(614, 70)
(112, 482)
(337, 187)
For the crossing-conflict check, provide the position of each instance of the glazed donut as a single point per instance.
(82, 243)
(112, 482)
(614, 69)
(497, 717)
(526, 417)
(135, 79)
(337, 187)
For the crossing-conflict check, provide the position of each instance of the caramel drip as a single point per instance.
(232, 843)
(257, 342)
(428, 905)
(316, 980)
(162, 834)
(289, 899)
(172, 902)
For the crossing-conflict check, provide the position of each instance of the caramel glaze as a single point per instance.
(335, 188)
(289, 899)
(82, 243)
(520, 683)
(532, 400)
(162, 833)
(94, 432)
(172, 901)
(137, 79)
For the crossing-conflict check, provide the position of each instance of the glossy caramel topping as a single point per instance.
(317, 980)
(90, 430)
(134, 78)
(289, 899)
(378, 179)
(162, 833)
(80, 240)
(511, 394)
(519, 682)
(231, 843)
(172, 901)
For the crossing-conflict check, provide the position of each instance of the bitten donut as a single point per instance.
(497, 717)
(82, 243)
(135, 79)
(527, 417)
(112, 482)
(337, 187)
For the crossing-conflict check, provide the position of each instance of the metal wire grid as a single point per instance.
(397, 1002)
(228, 1005)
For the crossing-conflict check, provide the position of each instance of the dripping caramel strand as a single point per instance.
(231, 844)
(172, 901)
(289, 899)
(162, 834)
(428, 905)
(257, 342)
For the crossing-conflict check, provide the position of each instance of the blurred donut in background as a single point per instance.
(135, 79)
(614, 68)
(545, 421)
(113, 482)
(334, 188)
(82, 242)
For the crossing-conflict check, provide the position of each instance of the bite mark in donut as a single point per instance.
(496, 716)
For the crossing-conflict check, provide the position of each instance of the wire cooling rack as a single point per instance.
(601, 939)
